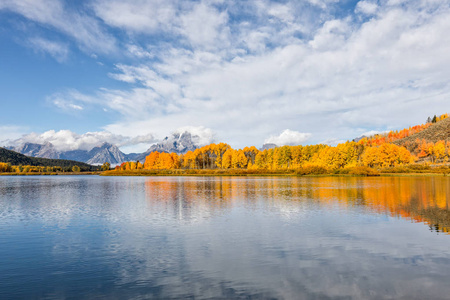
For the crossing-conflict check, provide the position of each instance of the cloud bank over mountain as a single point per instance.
(66, 140)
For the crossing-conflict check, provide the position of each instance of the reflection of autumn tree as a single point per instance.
(420, 199)
(188, 199)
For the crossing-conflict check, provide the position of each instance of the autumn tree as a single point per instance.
(261, 160)
(238, 159)
(151, 160)
(106, 166)
(227, 159)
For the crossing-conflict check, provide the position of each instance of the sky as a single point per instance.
(130, 72)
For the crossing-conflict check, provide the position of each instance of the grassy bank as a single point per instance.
(47, 173)
(407, 170)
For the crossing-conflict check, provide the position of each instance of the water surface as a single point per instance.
(67, 237)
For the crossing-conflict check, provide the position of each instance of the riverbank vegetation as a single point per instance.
(8, 169)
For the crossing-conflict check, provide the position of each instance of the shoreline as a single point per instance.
(49, 174)
(211, 174)
(223, 174)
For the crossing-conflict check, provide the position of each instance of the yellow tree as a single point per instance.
(250, 153)
(282, 157)
(404, 156)
(371, 157)
(151, 161)
(227, 159)
(438, 151)
(176, 160)
(261, 160)
(219, 151)
(165, 161)
(238, 159)
(297, 156)
(188, 160)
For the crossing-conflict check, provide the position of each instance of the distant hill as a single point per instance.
(14, 158)
(439, 131)
(268, 146)
(37, 150)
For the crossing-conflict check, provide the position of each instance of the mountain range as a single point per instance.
(179, 143)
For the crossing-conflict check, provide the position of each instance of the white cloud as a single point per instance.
(10, 132)
(138, 51)
(67, 106)
(200, 24)
(348, 77)
(332, 35)
(57, 50)
(65, 140)
(70, 101)
(204, 26)
(137, 15)
(373, 132)
(333, 141)
(288, 137)
(366, 7)
(85, 30)
(247, 69)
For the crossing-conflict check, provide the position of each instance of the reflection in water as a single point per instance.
(421, 199)
(224, 237)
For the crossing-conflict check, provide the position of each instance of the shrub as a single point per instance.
(312, 170)
(363, 171)
(398, 169)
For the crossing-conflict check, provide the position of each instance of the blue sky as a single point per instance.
(78, 73)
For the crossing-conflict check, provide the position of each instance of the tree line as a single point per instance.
(349, 154)
(8, 168)
(375, 152)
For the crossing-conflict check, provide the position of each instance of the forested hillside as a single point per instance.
(439, 131)
(16, 159)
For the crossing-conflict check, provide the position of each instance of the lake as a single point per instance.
(86, 237)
